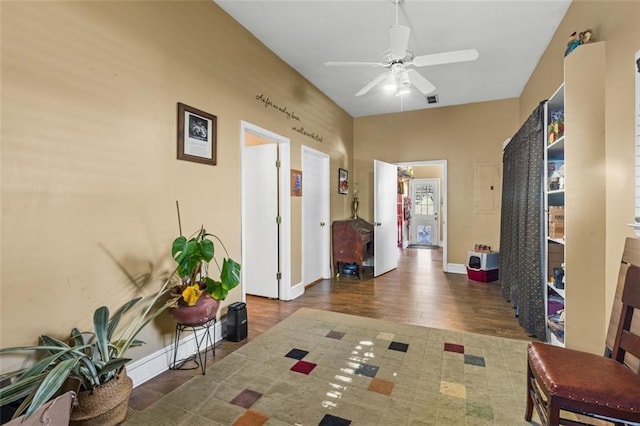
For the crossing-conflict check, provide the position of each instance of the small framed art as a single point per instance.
(296, 183)
(343, 181)
(196, 135)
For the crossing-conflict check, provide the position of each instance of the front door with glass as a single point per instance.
(424, 226)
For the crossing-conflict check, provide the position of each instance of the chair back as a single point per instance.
(623, 337)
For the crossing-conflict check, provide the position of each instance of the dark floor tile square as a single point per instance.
(367, 370)
(246, 398)
(335, 335)
(474, 360)
(297, 354)
(452, 347)
(397, 346)
(303, 367)
(329, 420)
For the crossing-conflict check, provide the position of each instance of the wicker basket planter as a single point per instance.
(106, 405)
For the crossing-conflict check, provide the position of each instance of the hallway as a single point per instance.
(418, 293)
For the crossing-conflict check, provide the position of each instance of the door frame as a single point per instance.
(325, 206)
(444, 210)
(284, 144)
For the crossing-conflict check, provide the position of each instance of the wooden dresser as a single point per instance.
(352, 242)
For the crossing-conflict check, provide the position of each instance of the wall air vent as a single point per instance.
(433, 99)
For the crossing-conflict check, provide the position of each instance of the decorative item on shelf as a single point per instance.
(555, 173)
(354, 202)
(558, 277)
(585, 37)
(405, 173)
(574, 42)
(577, 39)
(555, 128)
(198, 295)
(91, 363)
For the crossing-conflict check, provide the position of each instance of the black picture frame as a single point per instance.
(197, 132)
(343, 181)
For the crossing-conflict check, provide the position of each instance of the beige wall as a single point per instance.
(89, 169)
(462, 135)
(618, 24)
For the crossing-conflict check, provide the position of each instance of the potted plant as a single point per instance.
(96, 359)
(200, 294)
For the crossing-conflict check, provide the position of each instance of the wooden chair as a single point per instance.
(587, 384)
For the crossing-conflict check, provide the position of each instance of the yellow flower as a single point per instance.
(191, 294)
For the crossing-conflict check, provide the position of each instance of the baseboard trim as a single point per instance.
(152, 365)
(297, 291)
(456, 268)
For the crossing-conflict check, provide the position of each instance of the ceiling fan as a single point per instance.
(399, 58)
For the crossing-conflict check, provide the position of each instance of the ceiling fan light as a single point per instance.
(405, 90)
(403, 79)
(390, 87)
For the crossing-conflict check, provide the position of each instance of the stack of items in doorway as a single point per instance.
(483, 264)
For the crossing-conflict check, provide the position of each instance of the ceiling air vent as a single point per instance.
(433, 99)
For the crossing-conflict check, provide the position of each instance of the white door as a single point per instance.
(385, 189)
(315, 216)
(424, 225)
(261, 229)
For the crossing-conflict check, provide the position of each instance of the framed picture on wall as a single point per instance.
(196, 135)
(343, 181)
(296, 183)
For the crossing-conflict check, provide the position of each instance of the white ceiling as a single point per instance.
(510, 36)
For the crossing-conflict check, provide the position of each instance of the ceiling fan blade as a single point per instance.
(399, 41)
(372, 83)
(361, 64)
(446, 57)
(421, 83)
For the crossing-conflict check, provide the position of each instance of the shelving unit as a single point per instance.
(554, 185)
(581, 246)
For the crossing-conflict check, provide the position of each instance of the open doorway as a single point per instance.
(422, 205)
(266, 224)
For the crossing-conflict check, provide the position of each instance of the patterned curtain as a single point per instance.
(521, 225)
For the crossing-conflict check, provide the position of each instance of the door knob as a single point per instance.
(377, 224)
(322, 223)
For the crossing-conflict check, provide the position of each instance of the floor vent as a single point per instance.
(433, 99)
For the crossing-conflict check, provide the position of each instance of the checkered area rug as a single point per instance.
(325, 368)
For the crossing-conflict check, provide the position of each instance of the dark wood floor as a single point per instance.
(417, 292)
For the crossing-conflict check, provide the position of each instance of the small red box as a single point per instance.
(482, 275)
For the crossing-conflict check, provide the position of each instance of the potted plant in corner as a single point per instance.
(92, 362)
(201, 294)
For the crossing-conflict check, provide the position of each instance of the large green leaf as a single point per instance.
(100, 324)
(40, 366)
(114, 365)
(178, 249)
(219, 292)
(230, 274)
(207, 250)
(20, 388)
(51, 384)
(115, 318)
(53, 345)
